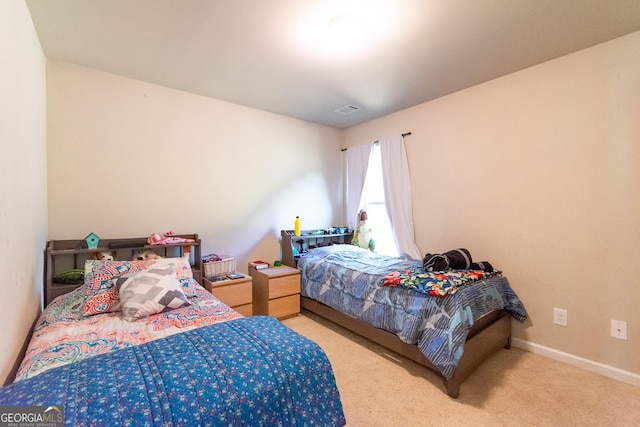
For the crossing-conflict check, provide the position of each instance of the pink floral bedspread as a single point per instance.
(63, 336)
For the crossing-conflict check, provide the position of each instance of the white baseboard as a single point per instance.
(579, 362)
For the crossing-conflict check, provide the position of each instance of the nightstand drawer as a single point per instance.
(234, 294)
(285, 306)
(284, 286)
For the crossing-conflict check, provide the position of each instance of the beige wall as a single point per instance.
(539, 173)
(23, 196)
(128, 158)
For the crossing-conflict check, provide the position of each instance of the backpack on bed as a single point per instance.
(456, 259)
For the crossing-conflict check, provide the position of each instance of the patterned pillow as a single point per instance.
(99, 291)
(183, 273)
(101, 295)
(149, 292)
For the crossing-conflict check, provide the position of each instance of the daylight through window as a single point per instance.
(374, 204)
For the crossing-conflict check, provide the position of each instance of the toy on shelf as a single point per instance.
(145, 256)
(103, 256)
(74, 276)
(166, 238)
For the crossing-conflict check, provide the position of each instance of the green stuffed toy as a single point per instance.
(73, 277)
(364, 235)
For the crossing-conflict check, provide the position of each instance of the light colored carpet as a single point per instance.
(512, 388)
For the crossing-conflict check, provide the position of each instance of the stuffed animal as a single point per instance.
(103, 256)
(364, 235)
(145, 256)
(74, 276)
(163, 239)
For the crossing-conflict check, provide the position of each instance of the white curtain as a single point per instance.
(357, 165)
(397, 194)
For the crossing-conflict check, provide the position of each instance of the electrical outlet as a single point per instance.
(619, 329)
(560, 316)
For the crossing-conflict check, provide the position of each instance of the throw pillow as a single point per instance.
(183, 273)
(98, 290)
(149, 292)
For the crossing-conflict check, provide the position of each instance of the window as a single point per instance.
(374, 203)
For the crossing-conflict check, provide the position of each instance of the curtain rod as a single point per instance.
(375, 142)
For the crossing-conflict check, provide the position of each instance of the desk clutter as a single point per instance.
(218, 265)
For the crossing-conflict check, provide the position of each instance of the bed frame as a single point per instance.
(61, 255)
(488, 335)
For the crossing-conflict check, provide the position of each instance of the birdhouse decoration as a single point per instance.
(92, 240)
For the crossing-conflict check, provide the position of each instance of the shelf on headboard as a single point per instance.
(63, 255)
(309, 238)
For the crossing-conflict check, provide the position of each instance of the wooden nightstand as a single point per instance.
(276, 291)
(236, 293)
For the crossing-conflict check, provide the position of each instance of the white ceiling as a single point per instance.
(274, 55)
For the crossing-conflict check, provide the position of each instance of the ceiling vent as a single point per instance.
(347, 109)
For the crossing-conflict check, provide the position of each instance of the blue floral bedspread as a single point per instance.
(246, 372)
(350, 280)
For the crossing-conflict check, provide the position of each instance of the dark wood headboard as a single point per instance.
(65, 255)
(309, 239)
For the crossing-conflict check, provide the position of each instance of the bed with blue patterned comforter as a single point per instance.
(350, 280)
(249, 371)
